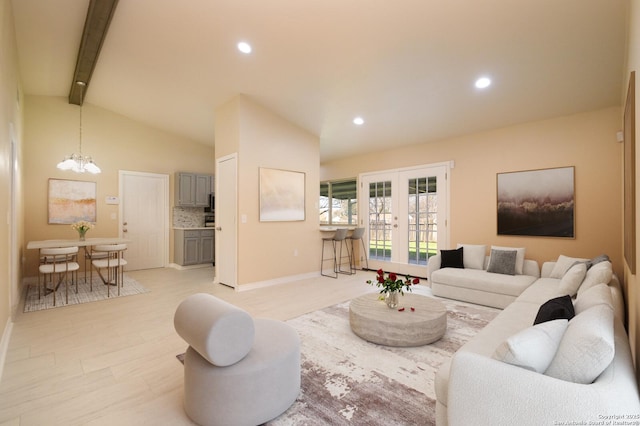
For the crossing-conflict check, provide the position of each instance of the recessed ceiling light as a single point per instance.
(483, 82)
(244, 47)
(359, 121)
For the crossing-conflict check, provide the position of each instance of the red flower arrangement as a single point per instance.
(392, 283)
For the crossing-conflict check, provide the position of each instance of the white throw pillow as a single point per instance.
(587, 347)
(599, 273)
(473, 255)
(519, 257)
(571, 281)
(563, 264)
(534, 347)
(599, 294)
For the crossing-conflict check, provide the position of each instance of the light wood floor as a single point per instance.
(113, 362)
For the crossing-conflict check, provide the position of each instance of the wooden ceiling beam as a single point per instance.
(96, 25)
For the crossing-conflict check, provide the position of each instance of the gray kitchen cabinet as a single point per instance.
(193, 189)
(207, 246)
(193, 246)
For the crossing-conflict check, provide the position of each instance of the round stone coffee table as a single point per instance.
(372, 320)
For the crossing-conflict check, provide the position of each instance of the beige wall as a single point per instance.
(115, 143)
(267, 250)
(631, 281)
(585, 141)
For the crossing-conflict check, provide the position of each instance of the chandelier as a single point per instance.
(77, 162)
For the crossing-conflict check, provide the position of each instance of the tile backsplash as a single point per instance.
(188, 217)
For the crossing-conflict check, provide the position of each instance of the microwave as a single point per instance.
(212, 204)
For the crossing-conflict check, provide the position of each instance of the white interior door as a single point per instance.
(145, 219)
(405, 214)
(226, 224)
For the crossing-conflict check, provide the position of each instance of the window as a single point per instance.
(339, 202)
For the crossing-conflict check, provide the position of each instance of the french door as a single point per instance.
(405, 214)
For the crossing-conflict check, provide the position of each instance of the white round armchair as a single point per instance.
(237, 370)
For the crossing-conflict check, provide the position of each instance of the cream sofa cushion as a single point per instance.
(534, 347)
(563, 264)
(596, 295)
(587, 347)
(473, 255)
(572, 279)
(597, 274)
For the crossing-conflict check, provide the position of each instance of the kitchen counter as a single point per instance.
(325, 228)
(195, 228)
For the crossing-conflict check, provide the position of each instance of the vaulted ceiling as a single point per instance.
(406, 67)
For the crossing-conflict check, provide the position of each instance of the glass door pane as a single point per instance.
(422, 217)
(380, 220)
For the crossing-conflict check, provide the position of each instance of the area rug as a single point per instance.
(348, 381)
(84, 295)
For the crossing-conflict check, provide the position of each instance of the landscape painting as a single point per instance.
(71, 201)
(281, 195)
(537, 203)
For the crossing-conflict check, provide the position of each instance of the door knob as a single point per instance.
(218, 228)
(124, 230)
(125, 224)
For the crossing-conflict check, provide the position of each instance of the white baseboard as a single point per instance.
(276, 281)
(4, 344)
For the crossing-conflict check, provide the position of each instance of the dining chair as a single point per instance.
(60, 261)
(89, 256)
(113, 262)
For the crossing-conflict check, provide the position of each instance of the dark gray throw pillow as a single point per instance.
(502, 262)
(598, 259)
(452, 258)
(556, 308)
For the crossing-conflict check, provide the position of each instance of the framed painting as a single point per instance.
(630, 176)
(71, 201)
(537, 203)
(281, 195)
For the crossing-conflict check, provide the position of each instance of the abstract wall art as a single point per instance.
(281, 195)
(71, 201)
(537, 203)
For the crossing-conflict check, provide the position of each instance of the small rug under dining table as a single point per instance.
(85, 294)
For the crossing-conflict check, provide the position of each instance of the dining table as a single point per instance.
(76, 242)
(87, 242)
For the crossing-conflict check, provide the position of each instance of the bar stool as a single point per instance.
(358, 234)
(339, 237)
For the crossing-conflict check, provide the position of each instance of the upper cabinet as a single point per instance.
(193, 189)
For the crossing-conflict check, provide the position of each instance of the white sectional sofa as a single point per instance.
(475, 284)
(492, 379)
